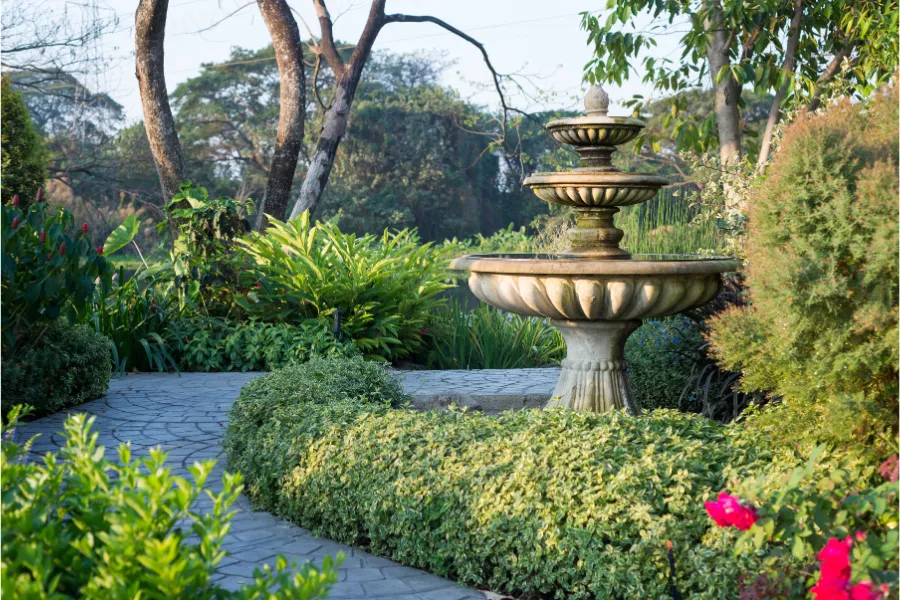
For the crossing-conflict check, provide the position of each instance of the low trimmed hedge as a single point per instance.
(65, 366)
(544, 503)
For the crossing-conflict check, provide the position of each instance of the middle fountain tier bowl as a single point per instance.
(596, 293)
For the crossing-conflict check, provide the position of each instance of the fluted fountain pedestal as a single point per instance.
(594, 372)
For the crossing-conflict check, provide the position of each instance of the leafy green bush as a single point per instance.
(204, 262)
(385, 288)
(821, 327)
(23, 158)
(506, 241)
(660, 357)
(208, 344)
(63, 366)
(486, 338)
(546, 503)
(79, 526)
(49, 269)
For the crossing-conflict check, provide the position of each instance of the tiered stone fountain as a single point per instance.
(596, 293)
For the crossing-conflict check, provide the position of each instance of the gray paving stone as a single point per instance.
(386, 587)
(186, 416)
(364, 574)
(343, 589)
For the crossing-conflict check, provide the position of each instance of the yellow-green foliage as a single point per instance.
(821, 329)
(22, 155)
(551, 504)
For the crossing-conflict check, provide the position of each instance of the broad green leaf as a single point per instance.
(121, 236)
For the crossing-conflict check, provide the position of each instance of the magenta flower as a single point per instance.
(729, 511)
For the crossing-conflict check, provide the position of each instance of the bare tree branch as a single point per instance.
(787, 69)
(399, 18)
(830, 71)
(289, 56)
(327, 44)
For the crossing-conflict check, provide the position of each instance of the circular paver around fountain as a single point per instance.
(187, 415)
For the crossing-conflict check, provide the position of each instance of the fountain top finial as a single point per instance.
(596, 101)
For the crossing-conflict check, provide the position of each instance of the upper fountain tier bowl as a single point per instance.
(595, 131)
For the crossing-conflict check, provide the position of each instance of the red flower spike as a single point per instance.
(16, 201)
(84, 228)
(62, 248)
(100, 249)
(40, 195)
(15, 222)
(423, 331)
(43, 235)
(49, 256)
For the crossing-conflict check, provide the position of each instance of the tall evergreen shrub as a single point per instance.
(821, 327)
(22, 155)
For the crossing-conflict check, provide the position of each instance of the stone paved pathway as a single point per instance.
(186, 415)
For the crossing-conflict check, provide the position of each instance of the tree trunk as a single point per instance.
(149, 35)
(338, 112)
(727, 90)
(787, 68)
(289, 56)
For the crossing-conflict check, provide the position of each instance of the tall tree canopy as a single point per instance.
(792, 49)
(415, 154)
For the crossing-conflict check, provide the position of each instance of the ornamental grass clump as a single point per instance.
(555, 504)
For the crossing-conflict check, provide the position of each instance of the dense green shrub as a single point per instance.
(23, 158)
(208, 344)
(486, 338)
(821, 327)
(63, 366)
(385, 288)
(660, 356)
(80, 526)
(551, 503)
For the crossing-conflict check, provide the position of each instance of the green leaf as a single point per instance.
(121, 236)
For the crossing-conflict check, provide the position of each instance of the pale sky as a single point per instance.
(536, 38)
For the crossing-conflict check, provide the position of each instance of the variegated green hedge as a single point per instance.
(544, 503)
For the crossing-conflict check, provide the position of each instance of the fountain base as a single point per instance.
(593, 373)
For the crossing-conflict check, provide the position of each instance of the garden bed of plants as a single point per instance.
(547, 504)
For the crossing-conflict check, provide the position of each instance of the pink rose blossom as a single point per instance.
(728, 510)
(864, 591)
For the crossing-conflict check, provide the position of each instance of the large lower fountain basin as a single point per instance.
(596, 304)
